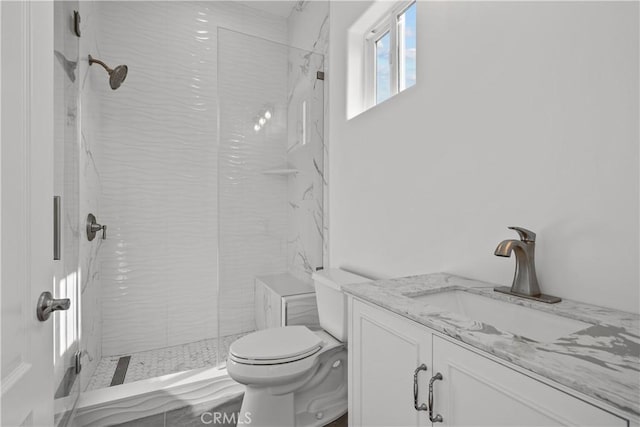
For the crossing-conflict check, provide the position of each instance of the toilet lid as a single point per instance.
(276, 343)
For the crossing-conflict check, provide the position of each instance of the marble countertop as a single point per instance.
(601, 361)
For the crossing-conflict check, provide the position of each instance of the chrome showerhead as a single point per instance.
(116, 75)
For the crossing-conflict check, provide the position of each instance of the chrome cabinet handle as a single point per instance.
(438, 417)
(47, 304)
(422, 407)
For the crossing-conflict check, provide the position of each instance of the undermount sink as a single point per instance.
(516, 319)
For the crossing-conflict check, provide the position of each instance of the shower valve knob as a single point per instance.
(93, 227)
(99, 227)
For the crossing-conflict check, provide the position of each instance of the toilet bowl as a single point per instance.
(295, 376)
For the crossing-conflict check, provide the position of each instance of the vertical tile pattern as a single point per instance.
(157, 158)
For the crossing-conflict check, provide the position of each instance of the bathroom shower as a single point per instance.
(157, 155)
(116, 75)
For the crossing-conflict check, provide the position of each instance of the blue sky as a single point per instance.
(383, 85)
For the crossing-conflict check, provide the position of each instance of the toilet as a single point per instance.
(295, 376)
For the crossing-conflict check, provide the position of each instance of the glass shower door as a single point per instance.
(270, 171)
(66, 190)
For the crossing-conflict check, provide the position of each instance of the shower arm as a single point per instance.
(97, 61)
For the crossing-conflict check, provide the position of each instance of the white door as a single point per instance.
(384, 352)
(26, 191)
(478, 391)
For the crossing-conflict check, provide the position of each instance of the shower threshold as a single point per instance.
(192, 391)
(123, 369)
(161, 380)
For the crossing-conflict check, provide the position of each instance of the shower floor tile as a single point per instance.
(168, 360)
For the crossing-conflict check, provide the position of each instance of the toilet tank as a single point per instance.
(332, 302)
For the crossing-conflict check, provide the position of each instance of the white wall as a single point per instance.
(523, 114)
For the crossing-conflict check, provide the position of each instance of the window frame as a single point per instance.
(390, 23)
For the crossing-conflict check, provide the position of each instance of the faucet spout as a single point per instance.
(505, 247)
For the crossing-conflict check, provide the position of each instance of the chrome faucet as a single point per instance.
(525, 282)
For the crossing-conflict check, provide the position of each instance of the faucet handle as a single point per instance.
(527, 236)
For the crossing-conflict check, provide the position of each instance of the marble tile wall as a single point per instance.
(157, 169)
(90, 84)
(305, 141)
(308, 29)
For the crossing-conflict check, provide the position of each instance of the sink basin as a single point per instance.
(526, 322)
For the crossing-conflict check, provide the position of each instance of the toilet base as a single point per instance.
(262, 409)
(320, 401)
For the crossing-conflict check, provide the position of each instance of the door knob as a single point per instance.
(47, 304)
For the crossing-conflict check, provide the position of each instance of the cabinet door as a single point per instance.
(384, 351)
(476, 390)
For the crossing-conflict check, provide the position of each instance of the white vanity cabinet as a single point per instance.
(475, 390)
(384, 351)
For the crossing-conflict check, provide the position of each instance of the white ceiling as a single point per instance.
(279, 8)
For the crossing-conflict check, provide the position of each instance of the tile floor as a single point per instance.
(154, 363)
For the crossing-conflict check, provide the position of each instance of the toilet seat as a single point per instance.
(275, 346)
(280, 372)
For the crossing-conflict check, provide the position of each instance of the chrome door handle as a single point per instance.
(438, 417)
(48, 304)
(421, 407)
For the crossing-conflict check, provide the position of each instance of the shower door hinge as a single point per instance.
(320, 75)
(78, 361)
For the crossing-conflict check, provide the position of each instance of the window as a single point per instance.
(383, 67)
(391, 54)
